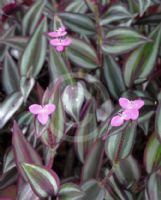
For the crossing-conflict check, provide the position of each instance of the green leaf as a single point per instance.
(57, 66)
(79, 23)
(150, 19)
(57, 122)
(10, 75)
(32, 17)
(116, 14)
(82, 54)
(87, 132)
(8, 108)
(127, 171)
(119, 145)
(152, 154)
(153, 186)
(140, 6)
(158, 120)
(142, 61)
(8, 161)
(8, 33)
(122, 40)
(16, 42)
(26, 85)
(8, 178)
(93, 190)
(78, 6)
(93, 161)
(25, 119)
(23, 151)
(113, 77)
(25, 188)
(70, 191)
(91, 5)
(114, 190)
(34, 54)
(143, 5)
(72, 98)
(43, 180)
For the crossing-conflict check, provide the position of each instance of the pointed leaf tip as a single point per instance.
(43, 180)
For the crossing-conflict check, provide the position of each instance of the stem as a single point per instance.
(51, 148)
(101, 160)
(66, 60)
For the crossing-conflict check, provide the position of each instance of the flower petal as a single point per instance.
(49, 108)
(66, 42)
(132, 114)
(56, 42)
(35, 109)
(117, 121)
(60, 48)
(43, 118)
(126, 114)
(137, 104)
(124, 103)
(57, 33)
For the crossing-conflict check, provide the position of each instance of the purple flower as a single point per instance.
(42, 112)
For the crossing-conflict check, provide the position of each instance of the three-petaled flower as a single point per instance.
(42, 112)
(59, 41)
(131, 111)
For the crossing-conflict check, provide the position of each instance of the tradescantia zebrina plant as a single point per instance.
(80, 99)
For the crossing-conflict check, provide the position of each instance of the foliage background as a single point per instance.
(115, 52)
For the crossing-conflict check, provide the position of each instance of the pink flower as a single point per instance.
(59, 41)
(119, 119)
(131, 111)
(59, 33)
(60, 44)
(42, 112)
(126, 104)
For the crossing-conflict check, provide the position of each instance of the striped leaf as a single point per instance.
(43, 181)
(152, 191)
(10, 75)
(122, 40)
(158, 120)
(119, 145)
(93, 190)
(152, 154)
(93, 161)
(32, 17)
(33, 56)
(57, 66)
(23, 151)
(8, 108)
(116, 14)
(82, 54)
(113, 77)
(70, 191)
(79, 23)
(142, 61)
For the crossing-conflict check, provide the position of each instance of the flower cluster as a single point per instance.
(130, 112)
(60, 40)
